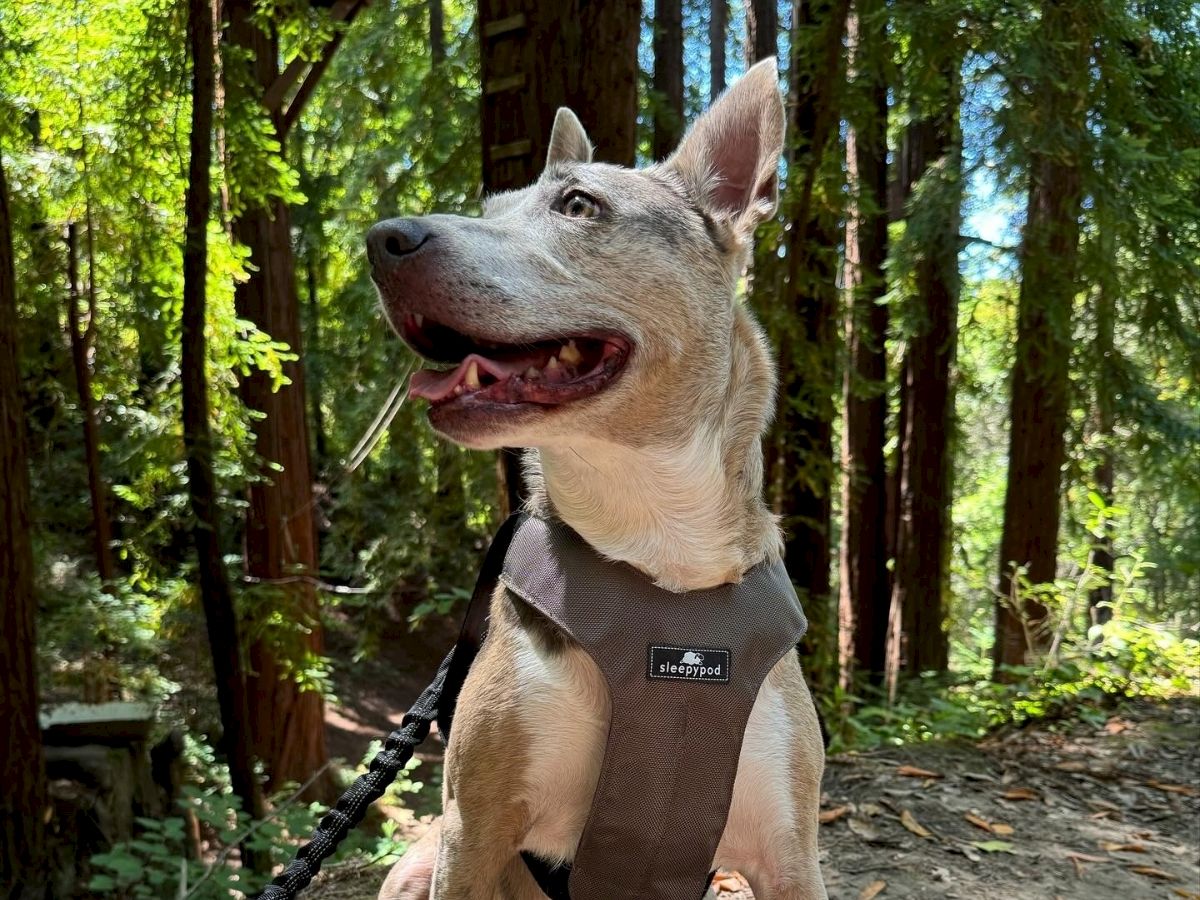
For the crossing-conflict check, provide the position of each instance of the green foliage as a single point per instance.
(1082, 679)
(159, 861)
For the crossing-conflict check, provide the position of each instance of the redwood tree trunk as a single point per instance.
(718, 24)
(80, 350)
(22, 770)
(864, 598)
(219, 614)
(1040, 378)
(668, 77)
(536, 56)
(802, 443)
(287, 723)
(932, 150)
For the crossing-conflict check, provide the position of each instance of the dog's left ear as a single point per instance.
(729, 158)
(568, 141)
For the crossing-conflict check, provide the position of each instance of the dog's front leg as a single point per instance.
(479, 863)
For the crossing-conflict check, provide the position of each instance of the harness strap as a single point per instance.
(436, 703)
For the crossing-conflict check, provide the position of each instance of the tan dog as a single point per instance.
(592, 318)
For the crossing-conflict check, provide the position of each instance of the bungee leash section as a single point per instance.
(352, 806)
(436, 704)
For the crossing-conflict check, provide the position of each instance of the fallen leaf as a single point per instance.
(728, 884)
(1117, 725)
(864, 829)
(827, 816)
(1113, 847)
(979, 822)
(909, 822)
(1185, 789)
(914, 772)
(1078, 866)
(872, 890)
(1103, 814)
(1151, 872)
(1001, 829)
(1087, 857)
(1021, 793)
(994, 846)
(1186, 894)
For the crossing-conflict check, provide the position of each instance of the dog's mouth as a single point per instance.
(545, 373)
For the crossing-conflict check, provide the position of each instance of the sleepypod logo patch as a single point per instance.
(687, 664)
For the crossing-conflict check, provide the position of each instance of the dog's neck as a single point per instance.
(690, 514)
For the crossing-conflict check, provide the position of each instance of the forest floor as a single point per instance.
(1054, 811)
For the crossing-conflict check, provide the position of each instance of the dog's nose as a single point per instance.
(392, 240)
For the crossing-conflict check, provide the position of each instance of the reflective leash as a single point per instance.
(436, 703)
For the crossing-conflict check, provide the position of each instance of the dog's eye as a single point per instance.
(578, 205)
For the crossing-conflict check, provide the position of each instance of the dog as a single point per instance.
(592, 318)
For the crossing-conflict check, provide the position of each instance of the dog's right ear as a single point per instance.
(568, 141)
(729, 159)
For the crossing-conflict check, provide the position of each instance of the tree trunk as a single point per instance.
(22, 769)
(437, 33)
(864, 599)
(287, 722)
(668, 77)
(1104, 422)
(314, 339)
(762, 29)
(80, 350)
(718, 24)
(802, 443)
(536, 56)
(932, 151)
(219, 614)
(1040, 378)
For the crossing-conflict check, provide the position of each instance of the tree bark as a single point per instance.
(22, 769)
(668, 77)
(287, 721)
(800, 454)
(215, 594)
(536, 56)
(80, 351)
(1040, 378)
(931, 150)
(864, 599)
(762, 28)
(718, 24)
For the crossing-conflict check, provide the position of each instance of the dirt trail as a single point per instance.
(1077, 813)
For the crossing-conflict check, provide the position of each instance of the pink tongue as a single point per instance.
(437, 386)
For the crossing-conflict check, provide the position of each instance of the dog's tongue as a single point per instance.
(435, 386)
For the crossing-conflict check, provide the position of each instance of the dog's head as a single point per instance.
(600, 300)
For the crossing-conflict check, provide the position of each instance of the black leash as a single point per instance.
(436, 703)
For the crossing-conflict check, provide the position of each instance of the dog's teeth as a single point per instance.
(419, 319)
(473, 375)
(570, 354)
(532, 372)
(552, 366)
(458, 389)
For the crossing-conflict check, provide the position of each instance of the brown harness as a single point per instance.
(683, 671)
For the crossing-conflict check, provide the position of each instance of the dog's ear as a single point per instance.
(568, 141)
(729, 158)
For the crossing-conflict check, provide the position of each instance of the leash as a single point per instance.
(436, 704)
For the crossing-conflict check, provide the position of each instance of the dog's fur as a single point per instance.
(662, 470)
